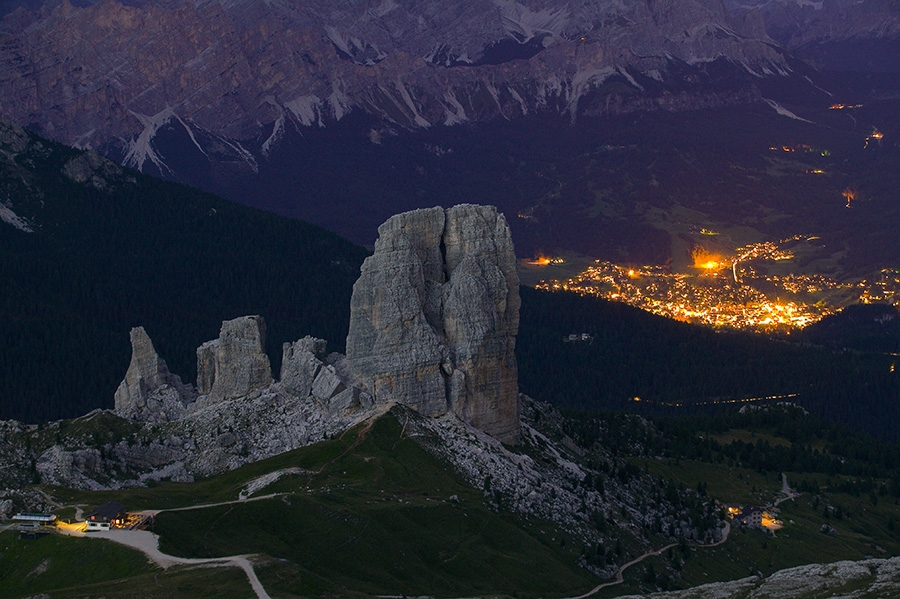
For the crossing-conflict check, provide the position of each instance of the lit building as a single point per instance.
(108, 515)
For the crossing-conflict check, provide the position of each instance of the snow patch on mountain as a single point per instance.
(518, 98)
(277, 128)
(630, 79)
(338, 40)
(417, 118)
(524, 24)
(11, 218)
(784, 111)
(141, 150)
(454, 111)
(308, 109)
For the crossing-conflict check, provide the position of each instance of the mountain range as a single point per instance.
(341, 115)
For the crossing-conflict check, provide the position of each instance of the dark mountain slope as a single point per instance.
(110, 249)
(118, 249)
(679, 369)
(866, 327)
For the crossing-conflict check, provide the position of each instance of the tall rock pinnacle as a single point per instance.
(434, 316)
(149, 392)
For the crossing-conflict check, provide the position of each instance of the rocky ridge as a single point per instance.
(162, 428)
(853, 580)
(235, 76)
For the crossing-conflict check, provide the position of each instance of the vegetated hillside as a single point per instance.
(98, 250)
(865, 327)
(844, 485)
(675, 368)
(369, 512)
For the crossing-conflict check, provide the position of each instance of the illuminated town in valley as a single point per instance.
(735, 292)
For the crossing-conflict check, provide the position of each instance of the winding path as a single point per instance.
(148, 542)
(620, 575)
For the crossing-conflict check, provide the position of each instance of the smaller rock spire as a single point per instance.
(149, 392)
(236, 363)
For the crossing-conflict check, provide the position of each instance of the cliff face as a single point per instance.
(434, 316)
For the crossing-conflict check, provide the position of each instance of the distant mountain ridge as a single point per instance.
(234, 76)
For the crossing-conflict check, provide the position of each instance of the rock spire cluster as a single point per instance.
(433, 322)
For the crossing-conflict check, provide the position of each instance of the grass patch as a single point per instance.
(55, 562)
(727, 484)
(175, 583)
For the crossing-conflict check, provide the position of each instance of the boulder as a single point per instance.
(149, 392)
(236, 363)
(306, 371)
(434, 315)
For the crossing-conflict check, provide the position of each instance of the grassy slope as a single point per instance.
(56, 562)
(371, 514)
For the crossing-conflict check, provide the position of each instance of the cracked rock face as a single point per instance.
(434, 316)
(236, 363)
(149, 392)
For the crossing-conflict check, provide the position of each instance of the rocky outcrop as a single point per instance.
(92, 169)
(236, 363)
(305, 373)
(434, 315)
(149, 392)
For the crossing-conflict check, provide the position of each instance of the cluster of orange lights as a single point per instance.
(731, 302)
(741, 299)
(546, 261)
(706, 261)
(708, 299)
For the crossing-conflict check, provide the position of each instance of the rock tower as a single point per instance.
(236, 363)
(149, 392)
(434, 317)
